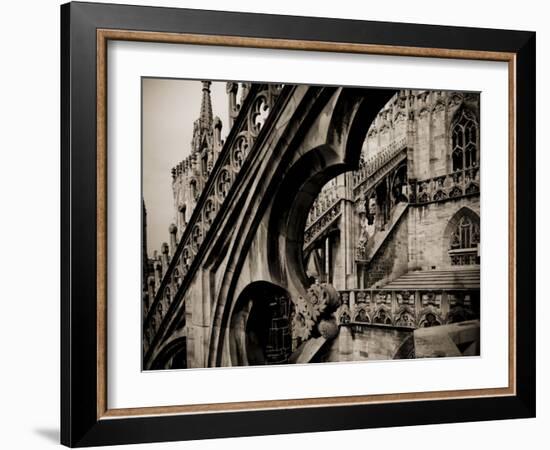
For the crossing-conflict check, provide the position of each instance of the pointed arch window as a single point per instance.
(463, 248)
(465, 151)
(466, 234)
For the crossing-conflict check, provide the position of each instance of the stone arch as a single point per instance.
(361, 314)
(353, 113)
(320, 139)
(304, 182)
(430, 317)
(343, 315)
(405, 317)
(173, 355)
(382, 316)
(252, 209)
(260, 326)
(451, 226)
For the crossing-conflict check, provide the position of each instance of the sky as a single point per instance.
(169, 109)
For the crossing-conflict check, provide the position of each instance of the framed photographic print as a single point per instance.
(276, 224)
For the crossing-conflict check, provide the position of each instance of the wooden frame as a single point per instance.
(86, 419)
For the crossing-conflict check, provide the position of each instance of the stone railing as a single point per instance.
(323, 221)
(254, 112)
(464, 256)
(408, 309)
(324, 201)
(453, 185)
(327, 208)
(370, 165)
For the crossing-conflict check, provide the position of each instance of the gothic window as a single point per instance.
(167, 294)
(466, 234)
(464, 239)
(465, 153)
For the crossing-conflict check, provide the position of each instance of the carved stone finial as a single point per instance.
(206, 118)
(328, 329)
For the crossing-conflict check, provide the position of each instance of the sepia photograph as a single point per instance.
(294, 224)
(281, 222)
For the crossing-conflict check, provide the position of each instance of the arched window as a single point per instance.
(466, 234)
(464, 240)
(465, 153)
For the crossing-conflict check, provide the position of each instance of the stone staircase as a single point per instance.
(380, 236)
(437, 279)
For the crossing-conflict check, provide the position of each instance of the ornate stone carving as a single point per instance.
(216, 187)
(223, 184)
(320, 301)
(343, 315)
(209, 211)
(383, 316)
(302, 322)
(442, 188)
(328, 329)
(239, 152)
(259, 113)
(405, 318)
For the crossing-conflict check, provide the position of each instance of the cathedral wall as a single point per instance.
(434, 115)
(364, 342)
(427, 242)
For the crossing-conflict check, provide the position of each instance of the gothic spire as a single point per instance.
(206, 106)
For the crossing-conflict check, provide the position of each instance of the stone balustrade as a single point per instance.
(453, 185)
(371, 165)
(328, 217)
(324, 201)
(406, 308)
